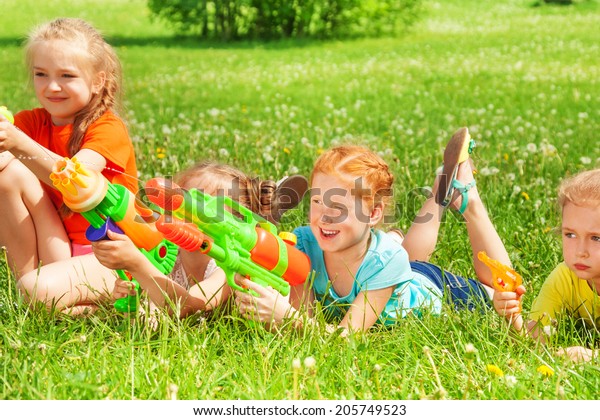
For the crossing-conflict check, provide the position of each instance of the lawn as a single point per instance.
(524, 79)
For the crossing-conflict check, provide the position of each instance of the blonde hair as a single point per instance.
(252, 193)
(351, 161)
(97, 55)
(582, 189)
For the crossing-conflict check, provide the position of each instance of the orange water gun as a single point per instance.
(504, 278)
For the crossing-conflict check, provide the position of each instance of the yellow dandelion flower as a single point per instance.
(495, 370)
(547, 229)
(506, 157)
(320, 151)
(286, 150)
(525, 195)
(547, 371)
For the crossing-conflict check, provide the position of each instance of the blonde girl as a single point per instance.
(362, 275)
(76, 76)
(573, 287)
(196, 283)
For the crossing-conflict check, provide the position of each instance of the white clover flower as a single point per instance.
(511, 176)
(548, 330)
(585, 160)
(510, 380)
(582, 115)
(516, 189)
(310, 362)
(213, 112)
(223, 152)
(470, 348)
(531, 147)
(166, 130)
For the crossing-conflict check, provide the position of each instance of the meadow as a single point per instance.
(524, 79)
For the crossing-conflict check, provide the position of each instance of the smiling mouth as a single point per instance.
(327, 233)
(581, 267)
(56, 99)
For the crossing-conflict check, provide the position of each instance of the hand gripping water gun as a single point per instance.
(243, 243)
(504, 278)
(112, 206)
(7, 114)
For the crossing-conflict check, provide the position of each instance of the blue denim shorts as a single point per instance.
(462, 293)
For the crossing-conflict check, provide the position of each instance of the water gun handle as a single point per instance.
(127, 303)
(7, 114)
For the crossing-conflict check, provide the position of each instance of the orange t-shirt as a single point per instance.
(107, 135)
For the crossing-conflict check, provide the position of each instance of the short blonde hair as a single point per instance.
(582, 189)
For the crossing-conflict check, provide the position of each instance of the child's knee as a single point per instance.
(14, 176)
(35, 289)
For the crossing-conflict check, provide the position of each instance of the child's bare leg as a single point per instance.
(482, 233)
(422, 236)
(80, 280)
(31, 229)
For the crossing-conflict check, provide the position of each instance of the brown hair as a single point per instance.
(351, 161)
(582, 189)
(252, 193)
(96, 54)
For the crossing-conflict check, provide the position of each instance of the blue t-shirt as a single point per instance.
(385, 264)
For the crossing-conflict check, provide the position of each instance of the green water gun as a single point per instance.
(239, 240)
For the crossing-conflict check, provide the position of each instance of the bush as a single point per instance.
(278, 19)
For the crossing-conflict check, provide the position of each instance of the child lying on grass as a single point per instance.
(572, 287)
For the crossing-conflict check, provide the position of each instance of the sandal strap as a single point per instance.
(463, 190)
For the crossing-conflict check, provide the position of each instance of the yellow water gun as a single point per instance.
(504, 278)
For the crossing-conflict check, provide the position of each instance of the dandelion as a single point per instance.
(585, 160)
(286, 150)
(525, 195)
(531, 147)
(223, 152)
(295, 371)
(161, 152)
(546, 371)
(494, 370)
(547, 229)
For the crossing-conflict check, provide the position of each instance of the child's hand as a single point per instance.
(10, 135)
(123, 289)
(508, 304)
(118, 253)
(577, 353)
(269, 307)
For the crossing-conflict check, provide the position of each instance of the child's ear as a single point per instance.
(98, 82)
(376, 214)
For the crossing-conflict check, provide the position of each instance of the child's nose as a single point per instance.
(53, 85)
(582, 249)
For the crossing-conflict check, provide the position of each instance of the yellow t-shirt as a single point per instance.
(564, 292)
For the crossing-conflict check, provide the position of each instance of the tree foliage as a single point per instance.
(280, 19)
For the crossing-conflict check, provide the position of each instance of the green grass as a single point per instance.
(524, 79)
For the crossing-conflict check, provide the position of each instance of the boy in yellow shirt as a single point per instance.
(573, 287)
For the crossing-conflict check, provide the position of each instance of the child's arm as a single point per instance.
(119, 253)
(273, 309)
(37, 158)
(366, 308)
